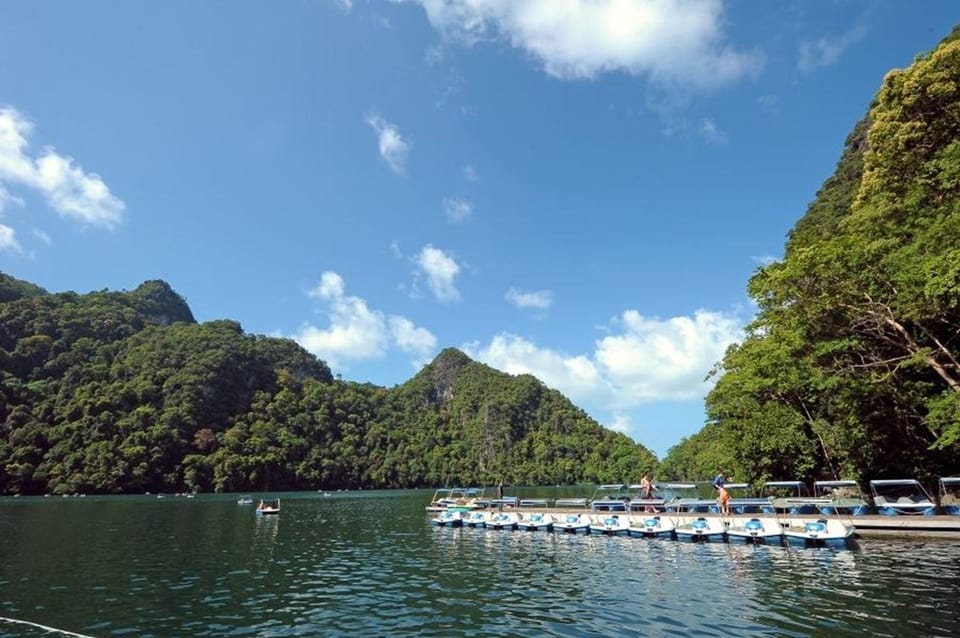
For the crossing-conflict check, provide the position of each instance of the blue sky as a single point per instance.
(575, 189)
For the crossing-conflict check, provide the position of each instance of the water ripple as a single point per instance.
(369, 564)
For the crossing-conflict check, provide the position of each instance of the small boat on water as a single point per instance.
(788, 497)
(268, 507)
(573, 524)
(822, 532)
(611, 525)
(502, 520)
(448, 518)
(759, 531)
(462, 498)
(950, 495)
(652, 527)
(475, 518)
(701, 529)
(610, 498)
(682, 497)
(245, 500)
(842, 497)
(901, 497)
(536, 522)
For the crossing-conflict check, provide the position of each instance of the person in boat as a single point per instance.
(723, 500)
(260, 506)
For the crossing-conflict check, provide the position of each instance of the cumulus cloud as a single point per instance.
(577, 376)
(539, 299)
(643, 361)
(441, 272)
(457, 209)
(711, 132)
(670, 42)
(824, 52)
(8, 240)
(393, 148)
(68, 189)
(357, 332)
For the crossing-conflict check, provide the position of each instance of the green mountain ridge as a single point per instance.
(113, 392)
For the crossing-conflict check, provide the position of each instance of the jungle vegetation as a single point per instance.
(123, 392)
(851, 368)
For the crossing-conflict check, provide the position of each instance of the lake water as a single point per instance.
(369, 564)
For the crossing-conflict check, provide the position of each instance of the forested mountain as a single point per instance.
(852, 365)
(125, 392)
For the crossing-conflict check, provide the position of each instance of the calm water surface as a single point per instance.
(368, 563)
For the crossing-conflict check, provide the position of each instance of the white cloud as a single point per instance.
(665, 359)
(824, 52)
(345, 6)
(393, 148)
(7, 198)
(70, 191)
(356, 331)
(645, 361)
(42, 236)
(670, 42)
(457, 209)
(540, 299)
(470, 173)
(8, 240)
(576, 376)
(621, 422)
(711, 132)
(410, 338)
(441, 271)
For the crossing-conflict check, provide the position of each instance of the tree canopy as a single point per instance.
(125, 392)
(851, 364)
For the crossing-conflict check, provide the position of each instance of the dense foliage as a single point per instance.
(852, 365)
(125, 392)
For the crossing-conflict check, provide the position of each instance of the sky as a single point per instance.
(576, 189)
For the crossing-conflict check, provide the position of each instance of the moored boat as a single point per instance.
(842, 497)
(448, 518)
(536, 522)
(611, 525)
(268, 507)
(573, 523)
(788, 497)
(652, 527)
(701, 529)
(462, 498)
(502, 520)
(821, 532)
(901, 497)
(950, 495)
(475, 518)
(757, 530)
(245, 500)
(610, 498)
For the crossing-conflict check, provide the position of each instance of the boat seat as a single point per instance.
(905, 500)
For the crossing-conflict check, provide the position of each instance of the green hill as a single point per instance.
(124, 392)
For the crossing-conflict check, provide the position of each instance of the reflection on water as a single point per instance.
(368, 563)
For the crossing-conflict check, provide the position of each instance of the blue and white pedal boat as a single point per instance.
(502, 520)
(611, 525)
(950, 495)
(841, 497)
(821, 533)
(757, 530)
(475, 518)
(536, 522)
(572, 524)
(702, 529)
(901, 497)
(652, 527)
(448, 518)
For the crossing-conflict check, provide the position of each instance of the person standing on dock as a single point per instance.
(718, 481)
(724, 501)
(646, 492)
(500, 489)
